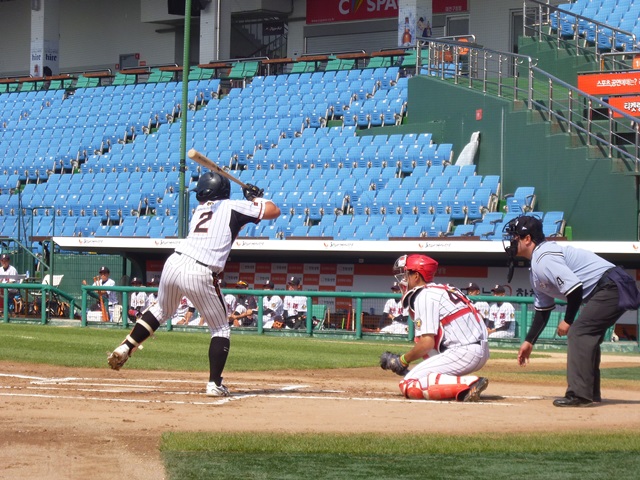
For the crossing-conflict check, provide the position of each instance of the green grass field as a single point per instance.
(188, 455)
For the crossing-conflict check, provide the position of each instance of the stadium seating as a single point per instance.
(275, 129)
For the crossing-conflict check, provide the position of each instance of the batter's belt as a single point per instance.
(215, 274)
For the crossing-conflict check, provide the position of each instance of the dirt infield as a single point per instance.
(63, 423)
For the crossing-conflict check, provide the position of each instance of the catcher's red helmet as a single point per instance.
(425, 266)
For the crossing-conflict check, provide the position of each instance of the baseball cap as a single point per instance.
(5, 256)
(395, 286)
(526, 225)
(223, 284)
(293, 281)
(153, 281)
(136, 281)
(471, 286)
(104, 270)
(268, 284)
(242, 284)
(498, 289)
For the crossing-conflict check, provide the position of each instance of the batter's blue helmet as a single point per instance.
(212, 186)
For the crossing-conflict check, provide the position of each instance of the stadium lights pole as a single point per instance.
(183, 217)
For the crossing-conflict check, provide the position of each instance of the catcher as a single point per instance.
(450, 336)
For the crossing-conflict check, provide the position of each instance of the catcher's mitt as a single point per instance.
(391, 361)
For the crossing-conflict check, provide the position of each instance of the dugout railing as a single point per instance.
(333, 323)
(341, 323)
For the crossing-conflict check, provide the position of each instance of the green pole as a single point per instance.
(183, 199)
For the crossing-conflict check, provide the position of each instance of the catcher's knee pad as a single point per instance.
(413, 389)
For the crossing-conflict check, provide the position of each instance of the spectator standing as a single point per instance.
(502, 316)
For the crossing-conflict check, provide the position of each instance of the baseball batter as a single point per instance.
(450, 336)
(193, 270)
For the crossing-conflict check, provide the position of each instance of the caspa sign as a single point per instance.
(324, 11)
(347, 7)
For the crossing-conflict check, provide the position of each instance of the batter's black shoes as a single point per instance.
(475, 389)
(572, 402)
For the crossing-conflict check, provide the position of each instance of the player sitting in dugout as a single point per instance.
(246, 308)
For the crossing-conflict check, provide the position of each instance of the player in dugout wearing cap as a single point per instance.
(109, 297)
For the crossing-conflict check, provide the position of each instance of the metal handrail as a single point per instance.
(500, 73)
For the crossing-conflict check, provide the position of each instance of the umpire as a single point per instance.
(583, 278)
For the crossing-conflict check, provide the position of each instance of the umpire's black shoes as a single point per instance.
(572, 402)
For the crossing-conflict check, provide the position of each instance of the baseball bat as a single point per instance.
(197, 157)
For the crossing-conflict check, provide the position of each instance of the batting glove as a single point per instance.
(251, 192)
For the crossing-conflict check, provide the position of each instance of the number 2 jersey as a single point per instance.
(215, 225)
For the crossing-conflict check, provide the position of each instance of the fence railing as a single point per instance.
(516, 77)
(329, 324)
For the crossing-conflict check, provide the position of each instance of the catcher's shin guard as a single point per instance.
(436, 386)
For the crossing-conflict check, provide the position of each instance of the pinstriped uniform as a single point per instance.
(190, 270)
(461, 335)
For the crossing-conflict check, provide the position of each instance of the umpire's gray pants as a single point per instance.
(584, 339)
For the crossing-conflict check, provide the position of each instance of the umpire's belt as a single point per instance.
(215, 274)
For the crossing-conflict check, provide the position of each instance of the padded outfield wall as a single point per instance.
(599, 203)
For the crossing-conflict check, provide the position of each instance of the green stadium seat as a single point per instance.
(379, 62)
(87, 82)
(159, 76)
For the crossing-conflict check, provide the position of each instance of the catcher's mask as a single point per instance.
(425, 266)
(212, 186)
(514, 231)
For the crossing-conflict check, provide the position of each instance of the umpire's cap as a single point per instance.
(526, 225)
(212, 186)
